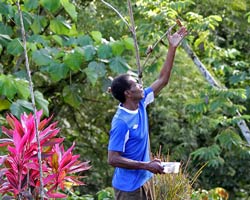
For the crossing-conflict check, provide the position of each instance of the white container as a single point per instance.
(171, 167)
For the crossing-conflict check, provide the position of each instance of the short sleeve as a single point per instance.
(119, 135)
(149, 96)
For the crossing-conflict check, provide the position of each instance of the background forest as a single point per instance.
(76, 47)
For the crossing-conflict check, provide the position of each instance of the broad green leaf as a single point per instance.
(20, 106)
(60, 26)
(58, 39)
(89, 52)
(129, 43)
(70, 9)
(15, 47)
(104, 51)
(31, 4)
(72, 95)
(5, 31)
(94, 71)
(4, 39)
(57, 71)
(41, 102)
(50, 5)
(117, 48)
(38, 24)
(31, 46)
(38, 39)
(7, 86)
(84, 40)
(74, 60)
(27, 20)
(118, 65)
(4, 104)
(41, 57)
(97, 36)
(22, 87)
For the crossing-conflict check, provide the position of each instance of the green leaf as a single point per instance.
(84, 40)
(58, 39)
(129, 43)
(41, 102)
(50, 5)
(4, 104)
(15, 47)
(94, 71)
(7, 86)
(97, 36)
(238, 78)
(57, 71)
(60, 26)
(118, 65)
(27, 20)
(89, 52)
(41, 57)
(74, 60)
(31, 4)
(118, 47)
(216, 17)
(72, 95)
(5, 32)
(229, 138)
(70, 9)
(104, 51)
(38, 24)
(20, 106)
(38, 39)
(22, 87)
(248, 92)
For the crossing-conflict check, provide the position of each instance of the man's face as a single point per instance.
(136, 89)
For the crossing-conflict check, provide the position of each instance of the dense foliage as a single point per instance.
(75, 47)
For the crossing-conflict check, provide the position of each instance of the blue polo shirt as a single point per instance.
(129, 136)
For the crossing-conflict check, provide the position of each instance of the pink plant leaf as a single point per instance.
(74, 180)
(53, 141)
(56, 195)
(5, 142)
(49, 178)
(72, 161)
(12, 180)
(67, 156)
(7, 132)
(12, 150)
(15, 124)
(80, 167)
(44, 122)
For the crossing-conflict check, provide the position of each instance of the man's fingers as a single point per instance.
(170, 29)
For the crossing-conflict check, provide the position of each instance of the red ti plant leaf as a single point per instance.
(19, 169)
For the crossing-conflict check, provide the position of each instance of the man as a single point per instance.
(128, 149)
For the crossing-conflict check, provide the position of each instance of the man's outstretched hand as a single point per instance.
(175, 39)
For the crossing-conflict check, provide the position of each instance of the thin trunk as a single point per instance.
(137, 55)
(241, 123)
(32, 99)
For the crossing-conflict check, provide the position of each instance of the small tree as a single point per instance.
(19, 170)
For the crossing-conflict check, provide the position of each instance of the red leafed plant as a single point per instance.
(19, 169)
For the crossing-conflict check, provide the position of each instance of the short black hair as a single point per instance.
(119, 85)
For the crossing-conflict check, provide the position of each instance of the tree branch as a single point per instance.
(241, 123)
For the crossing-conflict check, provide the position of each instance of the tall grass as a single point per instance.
(174, 186)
